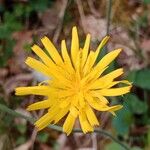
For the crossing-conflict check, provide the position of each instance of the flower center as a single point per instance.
(77, 88)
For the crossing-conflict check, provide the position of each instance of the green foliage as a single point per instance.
(125, 117)
(39, 5)
(114, 146)
(5, 120)
(21, 128)
(133, 102)
(14, 21)
(146, 1)
(21, 140)
(140, 78)
(5, 123)
(7, 28)
(68, 17)
(9, 25)
(123, 120)
(6, 51)
(42, 137)
(136, 148)
(143, 20)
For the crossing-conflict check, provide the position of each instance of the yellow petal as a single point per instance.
(101, 98)
(43, 122)
(101, 45)
(52, 50)
(85, 50)
(91, 77)
(115, 91)
(91, 116)
(99, 84)
(64, 93)
(81, 100)
(64, 52)
(96, 104)
(93, 102)
(74, 100)
(65, 103)
(37, 65)
(85, 125)
(52, 72)
(93, 55)
(115, 108)
(112, 75)
(46, 59)
(66, 57)
(73, 111)
(77, 66)
(47, 118)
(69, 123)
(105, 61)
(36, 90)
(39, 105)
(74, 45)
(105, 80)
(117, 82)
(89, 63)
(97, 75)
(61, 114)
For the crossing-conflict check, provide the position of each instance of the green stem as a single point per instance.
(14, 113)
(58, 128)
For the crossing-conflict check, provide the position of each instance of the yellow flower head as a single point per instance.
(76, 86)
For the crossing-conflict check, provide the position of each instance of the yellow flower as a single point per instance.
(76, 86)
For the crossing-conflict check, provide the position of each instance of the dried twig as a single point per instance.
(94, 141)
(33, 138)
(81, 13)
(109, 7)
(61, 18)
(93, 10)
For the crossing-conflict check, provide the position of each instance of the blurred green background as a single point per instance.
(24, 22)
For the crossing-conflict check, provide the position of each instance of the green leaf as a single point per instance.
(125, 117)
(3, 128)
(20, 140)
(123, 120)
(140, 78)
(142, 21)
(114, 146)
(146, 1)
(43, 137)
(6, 51)
(21, 128)
(136, 148)
(133, 101)
(9, 25)
(39, 5)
